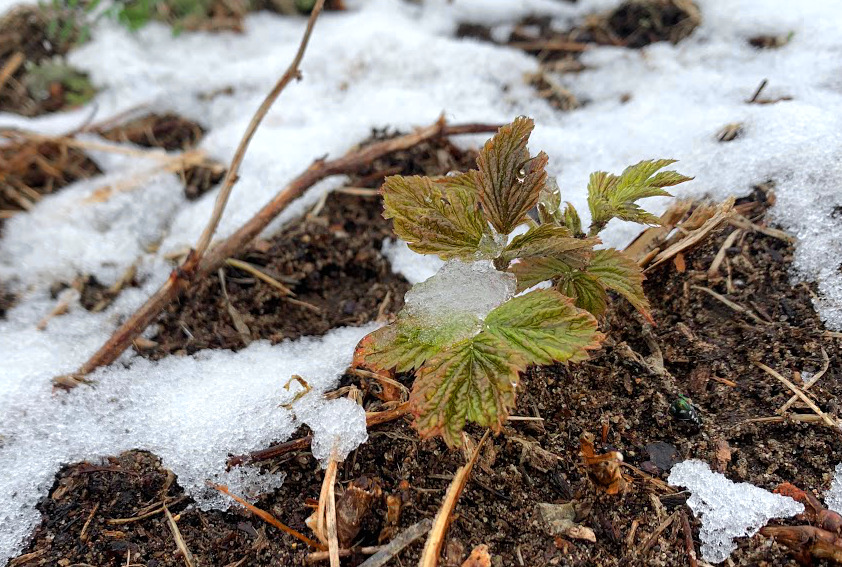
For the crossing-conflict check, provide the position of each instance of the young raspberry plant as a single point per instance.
(463, 331)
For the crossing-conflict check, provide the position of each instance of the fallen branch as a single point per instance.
(196, 268)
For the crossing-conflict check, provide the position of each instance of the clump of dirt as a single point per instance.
(330, 259)
(633, 24)
(705, 345)
(171, 132)
(168, 131)
(35, 80)
(31, 167)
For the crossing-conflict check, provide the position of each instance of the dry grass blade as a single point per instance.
(713, 271)
(270, 519)
(259, 274)
(697, 236)
(430, 556)
(291, 73)
(728, 303)
(179, 541)
(797, 391)
(810, 383)
(330, 515)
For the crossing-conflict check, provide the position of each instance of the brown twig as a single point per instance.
(797, 391)
(688, 539)
(192, 268)
(810, 383)
(270, 519)
(371, 419)
(179, 541)
(231, 175)
(430, 556)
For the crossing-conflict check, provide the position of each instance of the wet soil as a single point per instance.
(707, 347)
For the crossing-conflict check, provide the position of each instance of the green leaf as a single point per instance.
(587, 292)
(570, 219)
(543, 327)
(436, 216)
(612, 196)
(551, 241)
(509, 180)
(616, 271)
(406, 344)
(532, 271)
(474, 380)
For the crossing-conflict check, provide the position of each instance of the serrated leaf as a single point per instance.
(407, 344)
(436, 216)
(471, 381)
(551, 241)
(570, 219)
(612, 196)
(617, 272)
(543, 327)
(509, 181)
(532, 271)
(587, 292)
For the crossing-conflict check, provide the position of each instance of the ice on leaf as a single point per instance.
(727, 509)
(438, 312)
(458, 290)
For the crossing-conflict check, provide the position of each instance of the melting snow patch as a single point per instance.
(728, 510)
(833, 497)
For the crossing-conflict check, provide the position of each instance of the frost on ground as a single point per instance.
(728, 510)
(380, 63)
(833, 497)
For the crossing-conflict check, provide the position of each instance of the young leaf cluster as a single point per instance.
(468, 370)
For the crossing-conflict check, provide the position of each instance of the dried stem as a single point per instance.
(291, 73)
(430, 556)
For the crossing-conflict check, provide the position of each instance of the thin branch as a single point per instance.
(291, 73)
(192, 268)
(179, 541)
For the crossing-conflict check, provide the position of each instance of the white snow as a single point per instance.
(833, 497)
(381, 63)
(727, 509)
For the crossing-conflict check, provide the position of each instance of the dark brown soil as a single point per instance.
(7, 300)
(633, 24)
(330, 259)
(707, 347)
(168, 131)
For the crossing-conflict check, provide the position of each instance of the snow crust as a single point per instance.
(381, 63)
(833, 497)
(727, 509)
